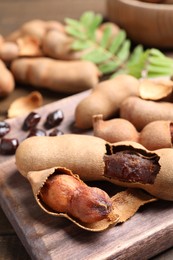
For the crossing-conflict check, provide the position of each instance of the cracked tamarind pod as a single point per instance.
(61, 193)
(126, 164)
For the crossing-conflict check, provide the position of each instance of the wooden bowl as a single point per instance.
(150, 24)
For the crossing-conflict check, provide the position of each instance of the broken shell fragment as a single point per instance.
(28, 46)
(155, 89)
(25, 104)
(95, 209)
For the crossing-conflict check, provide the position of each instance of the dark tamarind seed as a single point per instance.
(56, 132)
(8, 146)
(36, 132)
(31, 121)
(4, 128)
(54, 119)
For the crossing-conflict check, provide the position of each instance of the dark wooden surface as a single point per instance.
(12, 15)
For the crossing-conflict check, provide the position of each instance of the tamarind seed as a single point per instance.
(4, 128)
(56, 132)
(36, 132)
(8, 146)
(31, 121)
(54, 119)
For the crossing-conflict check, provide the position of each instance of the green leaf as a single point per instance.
(74, 23)
(118, 72)
(124, 51)
(136, 55)
(75, 33)
(106, 37)
(97, 56)
(108, 67)
(80, 45)
(86, 18)
(117, 41)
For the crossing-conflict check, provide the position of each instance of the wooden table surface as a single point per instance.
(12, 15)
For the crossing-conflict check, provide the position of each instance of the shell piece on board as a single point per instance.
(25, 104)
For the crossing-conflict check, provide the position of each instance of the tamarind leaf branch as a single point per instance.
(113, 54)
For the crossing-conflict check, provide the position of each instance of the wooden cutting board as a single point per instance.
(46, 237)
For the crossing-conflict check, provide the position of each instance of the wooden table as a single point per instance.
(12, 15)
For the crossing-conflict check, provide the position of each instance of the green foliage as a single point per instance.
(113, 54)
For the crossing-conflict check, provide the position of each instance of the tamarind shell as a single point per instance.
(37, 180)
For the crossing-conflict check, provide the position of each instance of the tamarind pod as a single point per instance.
(80, 149)
(35, 28)
(157, 135)
(57, 45)
(141, 112)
(8, 51)
(7, 82)
(62, 76)
(57, 192)
(114, 130)
(127, 164)
(105, 99)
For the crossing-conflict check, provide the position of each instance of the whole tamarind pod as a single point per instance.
(141, 112)
(61, 193)
(8, 51)
(7, 82)
(105, 99)
(114, 130)
(126, 164)
(62, 76)
(157, 135)
(35, 28)
(57, 45)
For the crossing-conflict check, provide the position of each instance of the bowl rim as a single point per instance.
(150, 6)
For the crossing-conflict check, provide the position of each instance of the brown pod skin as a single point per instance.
(157, 135)
(64, 193)
(60, 76)
(114, 130)
(141, 112)
(126, 164)
(7, 82)
(105, 99)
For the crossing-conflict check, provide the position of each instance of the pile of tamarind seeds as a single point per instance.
(132, 122)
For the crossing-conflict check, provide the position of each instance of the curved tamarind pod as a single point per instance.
(114, 130)
(126, 164)
(7, 82)
(62, 76)
(157, 135)
(105, 99)
(58, 192)
(141, 112)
